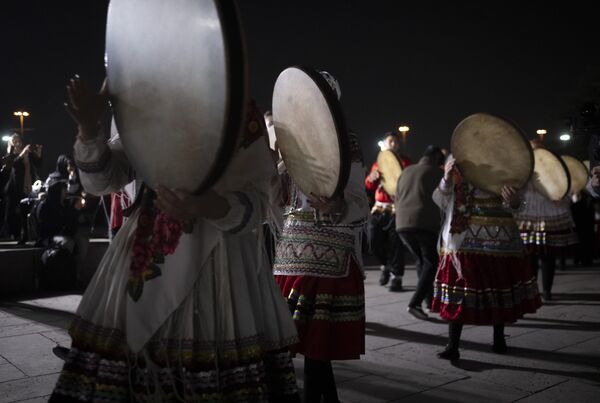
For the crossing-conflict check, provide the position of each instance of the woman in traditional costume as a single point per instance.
(483, 276)
(183, 306)
(318, 267)
(547, 230)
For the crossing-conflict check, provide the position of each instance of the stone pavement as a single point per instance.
(554, 355)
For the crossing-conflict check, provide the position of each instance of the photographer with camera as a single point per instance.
(26, 161)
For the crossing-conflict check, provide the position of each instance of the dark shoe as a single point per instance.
(451, 354)
(547, 295)
(384, 278)
(396, 285)
(417, 312)
(61, 352)
(500, 347)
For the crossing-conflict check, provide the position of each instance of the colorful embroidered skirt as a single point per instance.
(101, 368)
(547, 227)
(554, 236)
(493, 290)
(329, 314)
(227, 340)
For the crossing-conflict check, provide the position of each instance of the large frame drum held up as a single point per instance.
(550, 177)
(492, 152)
(578, 173)
(311, 132)
(176, 77)
(390, 168)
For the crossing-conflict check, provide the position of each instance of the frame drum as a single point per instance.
(390, 168)
(176, 78)
(578, 173)
(311, 132)
(492, 152)
(551, 176)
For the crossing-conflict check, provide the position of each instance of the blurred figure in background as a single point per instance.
(418, 222)
(26, 161)
(57, 220)
(385, 244)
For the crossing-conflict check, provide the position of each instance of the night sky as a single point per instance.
(424, 64)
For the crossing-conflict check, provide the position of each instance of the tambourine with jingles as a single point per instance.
(176, 79)
(311, 132)
(492, 152)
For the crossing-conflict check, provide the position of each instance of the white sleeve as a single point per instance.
(443, 194)
(103, 167)
(247, 188)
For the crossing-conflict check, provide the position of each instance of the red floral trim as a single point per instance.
(463, 201)
(157, 235)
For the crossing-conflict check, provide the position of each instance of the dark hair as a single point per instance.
(435, 154)
(62, 165)
(391, 134)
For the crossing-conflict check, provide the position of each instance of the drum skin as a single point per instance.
(578, 173)
(390, 168)
(176, 79)
(550, 176)
(311, 132)
(587, 165)
(492, 152)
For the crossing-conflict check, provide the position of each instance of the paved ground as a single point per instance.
(554, 355)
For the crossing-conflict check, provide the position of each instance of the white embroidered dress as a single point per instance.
(210, 320)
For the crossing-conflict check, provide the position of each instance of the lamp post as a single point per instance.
(541, 134)
(404, 132)
(22, 115)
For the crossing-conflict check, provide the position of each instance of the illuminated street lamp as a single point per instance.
(22, 115)
(404, 132)
(565, 137)
(541, 134)
(6, 138)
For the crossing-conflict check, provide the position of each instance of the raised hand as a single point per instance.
(85, 106)
(449, 169)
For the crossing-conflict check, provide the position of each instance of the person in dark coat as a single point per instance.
(418, 222)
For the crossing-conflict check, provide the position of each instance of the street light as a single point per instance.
(22, 115)
(6, 138)
(403, 132)
(541, 134)
(565, 137)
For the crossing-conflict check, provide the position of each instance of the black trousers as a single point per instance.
(385, 243)
(548, 267)
(422, 245)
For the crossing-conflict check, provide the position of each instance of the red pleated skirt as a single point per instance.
(492, 290)
(329, 314)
